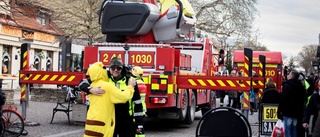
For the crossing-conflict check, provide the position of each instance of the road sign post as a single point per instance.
(24, 65)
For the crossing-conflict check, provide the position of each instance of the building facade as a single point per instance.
(26, 23)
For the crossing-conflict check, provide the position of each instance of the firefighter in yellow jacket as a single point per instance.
(137, 73)
(101, 114)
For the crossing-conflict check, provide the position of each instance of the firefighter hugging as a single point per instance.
(123, 109)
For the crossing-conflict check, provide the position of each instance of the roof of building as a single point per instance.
(25, 16)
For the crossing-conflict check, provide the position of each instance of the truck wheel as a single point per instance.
(211, 105)
(184, 105)
(191, 110)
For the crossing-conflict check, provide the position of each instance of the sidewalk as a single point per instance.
(41, 113)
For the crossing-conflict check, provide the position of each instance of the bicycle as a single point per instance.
(70, 95)
(12, 122)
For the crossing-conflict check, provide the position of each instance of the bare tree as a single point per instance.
(222, 18)
(77, 18)
(291, 64)
(306, 56)
(225, 18)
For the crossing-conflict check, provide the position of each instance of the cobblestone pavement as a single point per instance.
(41, 113)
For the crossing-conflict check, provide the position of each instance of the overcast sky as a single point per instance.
(288, 25)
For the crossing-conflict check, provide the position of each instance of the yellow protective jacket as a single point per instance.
(101, 114)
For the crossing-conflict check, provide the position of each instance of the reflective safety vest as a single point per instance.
(140, 135)
(308, 100)
(121, 84)
(142, 89)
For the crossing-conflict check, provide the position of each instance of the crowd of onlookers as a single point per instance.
(235, 98)
(298, 101)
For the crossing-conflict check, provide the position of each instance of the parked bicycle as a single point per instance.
(12, 122)
(72, 93)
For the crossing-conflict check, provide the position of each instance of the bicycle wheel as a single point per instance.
(14, 124)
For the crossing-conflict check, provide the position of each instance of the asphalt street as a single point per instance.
(39, 116)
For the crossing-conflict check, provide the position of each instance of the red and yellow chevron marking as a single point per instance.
(246, 66)
(25, 60)
(25, 66)
(23, 92)
(51, 77)
(260, 94)
(213, 82)
(259, 84)
(246, 101)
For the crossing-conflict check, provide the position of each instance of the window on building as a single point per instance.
(42, 20)
(6, 59)
(76, 60)
(49, 60)
(60, 62)
(37, 59)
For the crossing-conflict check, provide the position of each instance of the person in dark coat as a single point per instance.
(312, 109)
(291, 106)
(311, 80)
(316, 132)
(271, 94)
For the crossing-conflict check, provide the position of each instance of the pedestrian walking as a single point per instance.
(291, 105)
(316, 132)
(312, 109)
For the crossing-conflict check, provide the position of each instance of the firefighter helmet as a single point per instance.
(137, 71)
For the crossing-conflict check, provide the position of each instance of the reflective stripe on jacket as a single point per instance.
(143, 97)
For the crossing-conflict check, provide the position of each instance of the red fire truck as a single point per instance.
(177, 62)
(162, 65)
(273, 64)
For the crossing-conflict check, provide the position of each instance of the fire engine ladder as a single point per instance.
(177, 45)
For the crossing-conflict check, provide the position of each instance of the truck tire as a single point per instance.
(191, 110)
(184, 105)
(211, 105)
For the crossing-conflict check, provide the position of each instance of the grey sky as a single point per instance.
(287, 25)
